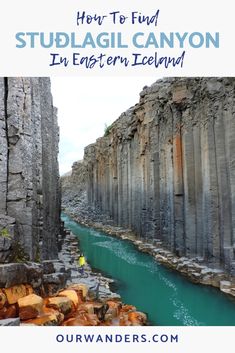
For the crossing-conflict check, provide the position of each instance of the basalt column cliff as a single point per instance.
(166, 168)
(29, 177)
(40, 281)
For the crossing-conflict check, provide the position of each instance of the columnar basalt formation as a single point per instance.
(29, 176)
(38, 257)
(166, 168)
(73, 183)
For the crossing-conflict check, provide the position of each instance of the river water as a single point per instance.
(167, 297)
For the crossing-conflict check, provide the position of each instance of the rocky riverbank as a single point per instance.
(57, 294)
(194, 269)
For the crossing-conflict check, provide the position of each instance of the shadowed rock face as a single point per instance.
(29, 177)
(166, 169)
(73, 184)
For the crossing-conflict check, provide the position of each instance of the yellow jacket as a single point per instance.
(82, 261)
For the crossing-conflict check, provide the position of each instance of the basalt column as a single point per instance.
(166, 168)
(29, 178)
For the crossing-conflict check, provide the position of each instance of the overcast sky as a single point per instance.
(85, 105)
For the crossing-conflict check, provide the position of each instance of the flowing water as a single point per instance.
(167, 297)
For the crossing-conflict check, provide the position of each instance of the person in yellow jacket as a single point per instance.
(82, 263)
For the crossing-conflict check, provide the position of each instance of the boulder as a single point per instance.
(217, 278)
(225, 286)
(9, 311)
(207, 280)
(137, 318)
(54, 282)
(58, 278)
(62, 304)
(206, 271)
(44, 320)
(50, 290)
(59, 266)
(195, 277)
(82, 319)
(80, 288)
(12, 274)
(52, 266)
(232, 291)
(48, 267)
(114, 307)
(87, 307)
(51, 311)
(72, 295)
(30, 306)
(123, 320)
(101, 310)
(127, 308)
(34, 274)
(13, 294)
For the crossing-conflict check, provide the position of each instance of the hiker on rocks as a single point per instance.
(82, 263)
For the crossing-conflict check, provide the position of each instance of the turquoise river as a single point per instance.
(167, 297)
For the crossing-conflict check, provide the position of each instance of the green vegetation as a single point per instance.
(107, 129)
(20, 255)
(37, 256)
(5, 233)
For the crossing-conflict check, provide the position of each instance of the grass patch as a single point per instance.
(5, 233)
(107, 129)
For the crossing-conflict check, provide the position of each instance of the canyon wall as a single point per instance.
(73, 183)
(29, 176)
(166, 168)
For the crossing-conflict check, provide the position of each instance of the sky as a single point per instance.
(85, 105)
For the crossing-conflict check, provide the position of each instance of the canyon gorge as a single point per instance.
(166, 170)
(162, 177)
(40, 282)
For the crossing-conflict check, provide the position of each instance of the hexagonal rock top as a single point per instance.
(30, 306)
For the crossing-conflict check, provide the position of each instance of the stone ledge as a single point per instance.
(194, 269)
(19, 273)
